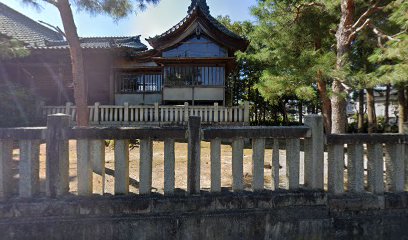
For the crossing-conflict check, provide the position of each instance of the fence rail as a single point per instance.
(303, 145)
(156, 114)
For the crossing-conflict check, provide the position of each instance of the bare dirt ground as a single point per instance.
(158, 168)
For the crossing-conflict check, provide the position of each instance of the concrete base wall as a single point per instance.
(305, 215)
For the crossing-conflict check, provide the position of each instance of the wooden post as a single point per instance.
(186, 112)
(258, 159)
(314, 153)
(216, 113)
(121, 167)
(126, 112)
(84, 169)
(57, 163)
(216, 165)
(68, 106)
(246, 112)
(29, 168)
(96, 113)
(6, 160)
(146, 158)
(194, 152)
(169, 166)
(156, 112)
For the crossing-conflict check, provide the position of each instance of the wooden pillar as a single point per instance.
(6, 160)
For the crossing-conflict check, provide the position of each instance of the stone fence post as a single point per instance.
(194, 152)
(314, 153)
(406, 157)
(57, 148)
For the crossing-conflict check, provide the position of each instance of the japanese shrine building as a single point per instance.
(188, 63)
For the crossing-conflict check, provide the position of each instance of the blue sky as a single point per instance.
(154, 20)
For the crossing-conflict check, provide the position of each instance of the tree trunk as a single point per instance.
(326, 104)
(339, 104)
(401, 108)
(387, 105)
(372, 119)
(78, 73)
(361, 111)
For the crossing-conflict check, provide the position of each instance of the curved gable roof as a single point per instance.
(199, 17)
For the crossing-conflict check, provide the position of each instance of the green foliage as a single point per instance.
(115, 8)
(19, 107)
(294, 43)
(392, 58)
(11, 48)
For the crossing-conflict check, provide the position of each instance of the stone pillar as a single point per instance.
(169, 166)
(6, 160)
(237, 164)
(57, 164)
(216, 165)
(336, 168)
(258, 159)
(29, 168)
(146, 160)
(314, 153)
(406, 157)
(194, 152)
(121, 167)
(84, 169)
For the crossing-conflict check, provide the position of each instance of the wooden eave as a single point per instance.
(188, 28)
(161, 60)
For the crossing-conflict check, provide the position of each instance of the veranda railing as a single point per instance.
(156, 114)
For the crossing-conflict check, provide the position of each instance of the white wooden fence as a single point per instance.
(156, 114)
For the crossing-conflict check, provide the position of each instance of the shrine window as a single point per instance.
(128, 83)
(205, 75)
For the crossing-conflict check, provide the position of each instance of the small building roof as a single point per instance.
(132, 42)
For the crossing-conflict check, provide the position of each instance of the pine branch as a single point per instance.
(305, 5)
(370, 11)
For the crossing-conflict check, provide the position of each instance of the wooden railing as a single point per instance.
(156, 114)
(90, 154)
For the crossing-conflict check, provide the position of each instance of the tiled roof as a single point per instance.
(101, 43)
(18, 26)
(204, 8)
(35, 35)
